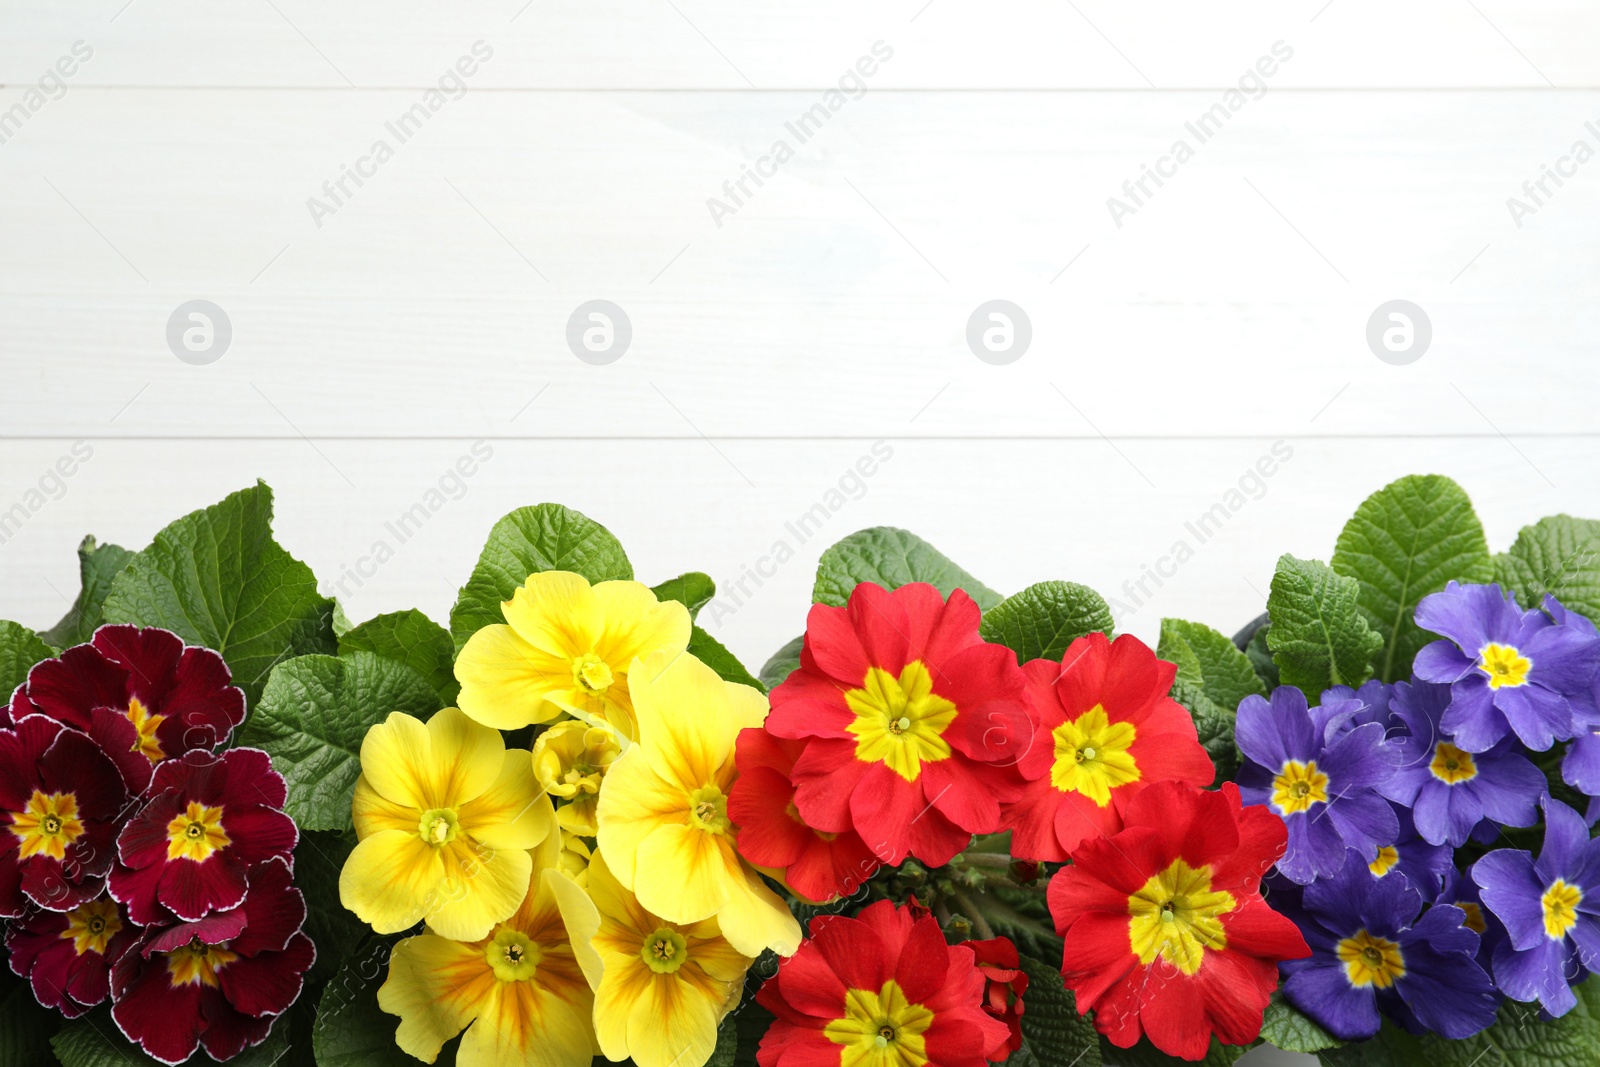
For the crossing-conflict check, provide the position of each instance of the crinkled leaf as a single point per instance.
(711, 652)
(98, 565)
(783, 663)
(1261, 659)
(318, 859)
(313, 716)
(1287, 1027)
(1559, 555)
(1319, 635)
(544, 537)
(94, 1041)
(25, 1027)
(726, 1053)
(1405, 541)
(217, 578)
(411, 638)
(752, 1021)
(1055, 1032)
(1022, 916)
(692, 589)
(20, 649)
(351, 1030)
(1042, 620)
(1213, 723)
(891, 558)
(1210, 660)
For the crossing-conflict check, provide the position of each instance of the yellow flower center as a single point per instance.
(196, 834)
(1298, 786)
(91, 926)
(591, 673)
(197, 963)
(46, 825)
(439, 826)
(1371, 961)
(881, 1029)
(1177, 916)
(1092, 756)
(144, 725)
(1388, 856)
(665, 951)
(513, 956)
(1474, 916)
(1560, 903)
(1504, 665)
(1451, 765)
(900, 721)
(708, 810)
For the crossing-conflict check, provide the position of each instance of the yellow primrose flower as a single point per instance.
(566, 646)
(521, 993)
(575, 857)
(661, 988)
(570, 759)
(664, 810)
(445, 816)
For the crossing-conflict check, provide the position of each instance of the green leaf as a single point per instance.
(1209, 660)
(891, 558)
(97, 566)
(1287, 1027)
(25, 1027)
(20, 649)
(1559, 555)
(1319, 635)
(94, 1041)
(1213, 723)
(783, 663)
(752, 1021)
(1022, 916)
(217, 578)
(318, 858)
(545, 537)
(1405, 541)
(713, 654)
(1261, 659)
(1042, 620)
(410, 638)
(726, 1054)
(351, 1030)
(692, 589)
(313, 716)
(1055, 1031)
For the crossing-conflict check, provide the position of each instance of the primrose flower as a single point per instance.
(1549, 909)
(1107, 729)
(208, 820)
(1371, 952)
(913, 723)
(1166, 932)
(445, 815)
(819, 866)
(520, 994)
(60, 800)
(664, 822)
(570, 759)
(566, 646)
(1508, 670)
(219, 983)
(661, 988)
(141, 693)
(882, 989)
(67, 956)
(1427, 867)
(1319, 777)
(1449, 790)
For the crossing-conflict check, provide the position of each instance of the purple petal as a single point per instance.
(1581, 767)
(1445, 814)
(1539, 716)
(1512, 889)
(1566, 840)
(1365, 821)
(1442, 662)
(1539, 973)
(1447, 991)
(1359, 758)
(1509, 787)
(1325, 994)
(1472, 721)
(1459, 612)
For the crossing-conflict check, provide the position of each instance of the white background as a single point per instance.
(429, 310)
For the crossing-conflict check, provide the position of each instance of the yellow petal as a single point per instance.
(373, 813)
(719, 959)
(579, 916)
(689, 718)
(442, 764)
(637, 624)
(633, 801)
(673, 1024)
(389, 880)
(684, 874)
(623, 986)
(480, 888)
(755, 918)
(467, 757)
(506, 682)
(436, 987)
(395, 756)
(514, 813)
(555, 612)
(523, 1024)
